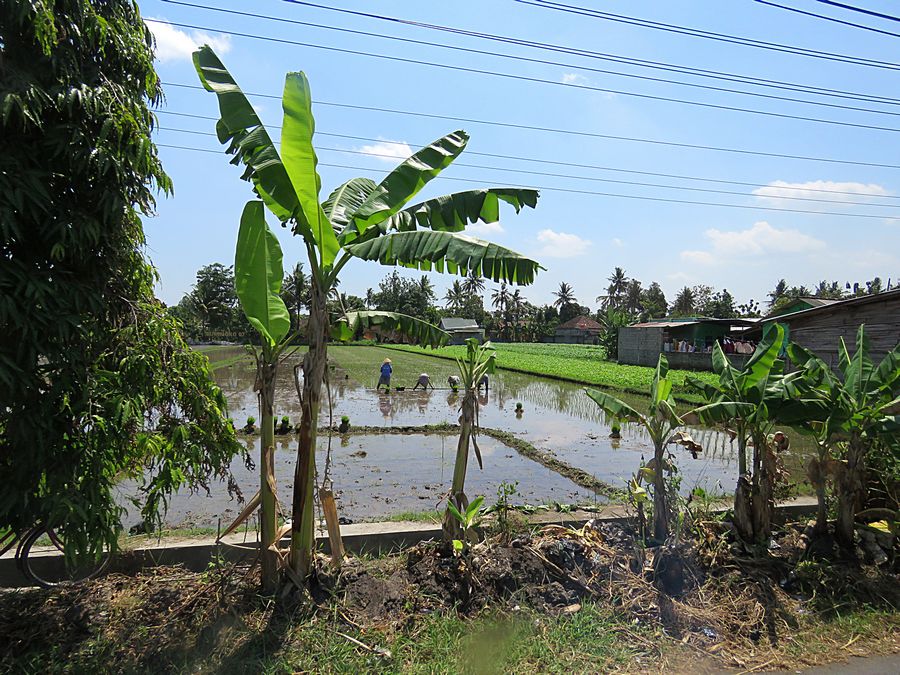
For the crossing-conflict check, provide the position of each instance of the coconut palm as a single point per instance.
(473, 284)
(455, 297)
(565, 295)
(615, 292)
(360, 219)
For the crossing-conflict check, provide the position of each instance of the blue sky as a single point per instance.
(578, 237)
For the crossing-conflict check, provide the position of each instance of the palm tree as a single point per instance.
(615, 292)
(684, 302)
(473, 284)
(426, 287)
(515, 305)
(295, 292)
(565, 295)
(370, 298)
(455, 296)
(633, 301)
(500, 301)
(360, 219)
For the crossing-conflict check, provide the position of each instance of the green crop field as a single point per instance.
(578, 363)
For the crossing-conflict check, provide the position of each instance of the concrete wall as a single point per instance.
(574, 336)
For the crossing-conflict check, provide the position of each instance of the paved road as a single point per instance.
(872, 665)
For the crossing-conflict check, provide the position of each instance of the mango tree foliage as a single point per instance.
(95, 381)
(361, 219)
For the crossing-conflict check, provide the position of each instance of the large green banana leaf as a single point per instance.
(457, 253)
(724, 411)
(756, 373)
(248, 139)
(615, 407)
(661, 387)
(710, 392)
(258, 273)
(346, 200)
(728, 374)
(405, 181)
(886, 377)
(424, 333)
(300, 161)
(857, 369)
(451, 213)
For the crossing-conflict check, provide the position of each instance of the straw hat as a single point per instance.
(387, 361)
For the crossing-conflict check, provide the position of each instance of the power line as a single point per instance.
(594, 193)
(710, 35)
(642, 63)
(568, 132)
(860, 10)
(525, 78)
(577, 165)
(824, 17)
(575, 177)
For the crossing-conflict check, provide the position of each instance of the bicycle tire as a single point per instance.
(50, 571)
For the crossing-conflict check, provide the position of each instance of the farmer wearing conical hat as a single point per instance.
(385, 378)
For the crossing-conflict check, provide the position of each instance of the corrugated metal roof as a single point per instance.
(663, 324)
(454, 323)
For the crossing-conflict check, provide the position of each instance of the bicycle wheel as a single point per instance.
(42, 562)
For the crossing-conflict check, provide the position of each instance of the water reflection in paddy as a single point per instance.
(558, 417)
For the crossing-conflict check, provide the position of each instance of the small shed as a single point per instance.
(641, 343)
(819, 329)
(582, 330)
(461, 330)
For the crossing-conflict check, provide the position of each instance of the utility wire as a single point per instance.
(584, 53)
(591, 192)
(575, 177)
(576, 165)
(860, 10)
(710, 35)
(567, 132)
(824, 17)
(525, 78)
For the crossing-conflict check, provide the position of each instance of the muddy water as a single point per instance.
(558, 417)
(376, 475)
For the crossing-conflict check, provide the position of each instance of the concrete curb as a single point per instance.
(370, 538)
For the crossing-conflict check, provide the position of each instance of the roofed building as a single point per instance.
(582, 330)
(686, 341)
(819, 329)
(461, 330)
(800, 304)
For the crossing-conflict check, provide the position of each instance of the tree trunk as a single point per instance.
(743, 494)
(452, 528)
(661, 514)
(764, 499)
(816, 472)
(314, 363)
(267, 515)
(851, 491)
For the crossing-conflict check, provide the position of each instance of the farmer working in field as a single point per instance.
(385, 378)
(424, 382)
(453, 381)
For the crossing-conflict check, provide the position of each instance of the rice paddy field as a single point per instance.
(576, 363)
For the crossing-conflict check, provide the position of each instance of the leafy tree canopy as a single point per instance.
(88, 356)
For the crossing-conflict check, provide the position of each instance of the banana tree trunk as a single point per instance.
(851, 491)
(452, 528)
(661, 514)
(267, 516)
(743, 493)
(314, 363)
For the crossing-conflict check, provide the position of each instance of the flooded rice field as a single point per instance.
(376, 475)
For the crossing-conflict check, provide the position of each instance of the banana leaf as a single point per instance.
(424, 333)
(614, 407)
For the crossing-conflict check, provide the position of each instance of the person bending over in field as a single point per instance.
(424, 382)
(453, 381)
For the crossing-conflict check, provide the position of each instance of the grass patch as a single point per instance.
(411, 517)
(576, 363)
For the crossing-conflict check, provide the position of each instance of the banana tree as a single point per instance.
(359, 219)
(750, 402)
(257, 280)
(661, 421)
(480, 360)
(862, 410)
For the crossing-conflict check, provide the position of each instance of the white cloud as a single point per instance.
(573, 78)
(618, 243)
(777, 190)
(387, 150)
(485, 229)
(173, 44)
(759, 240)
(561, 244)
